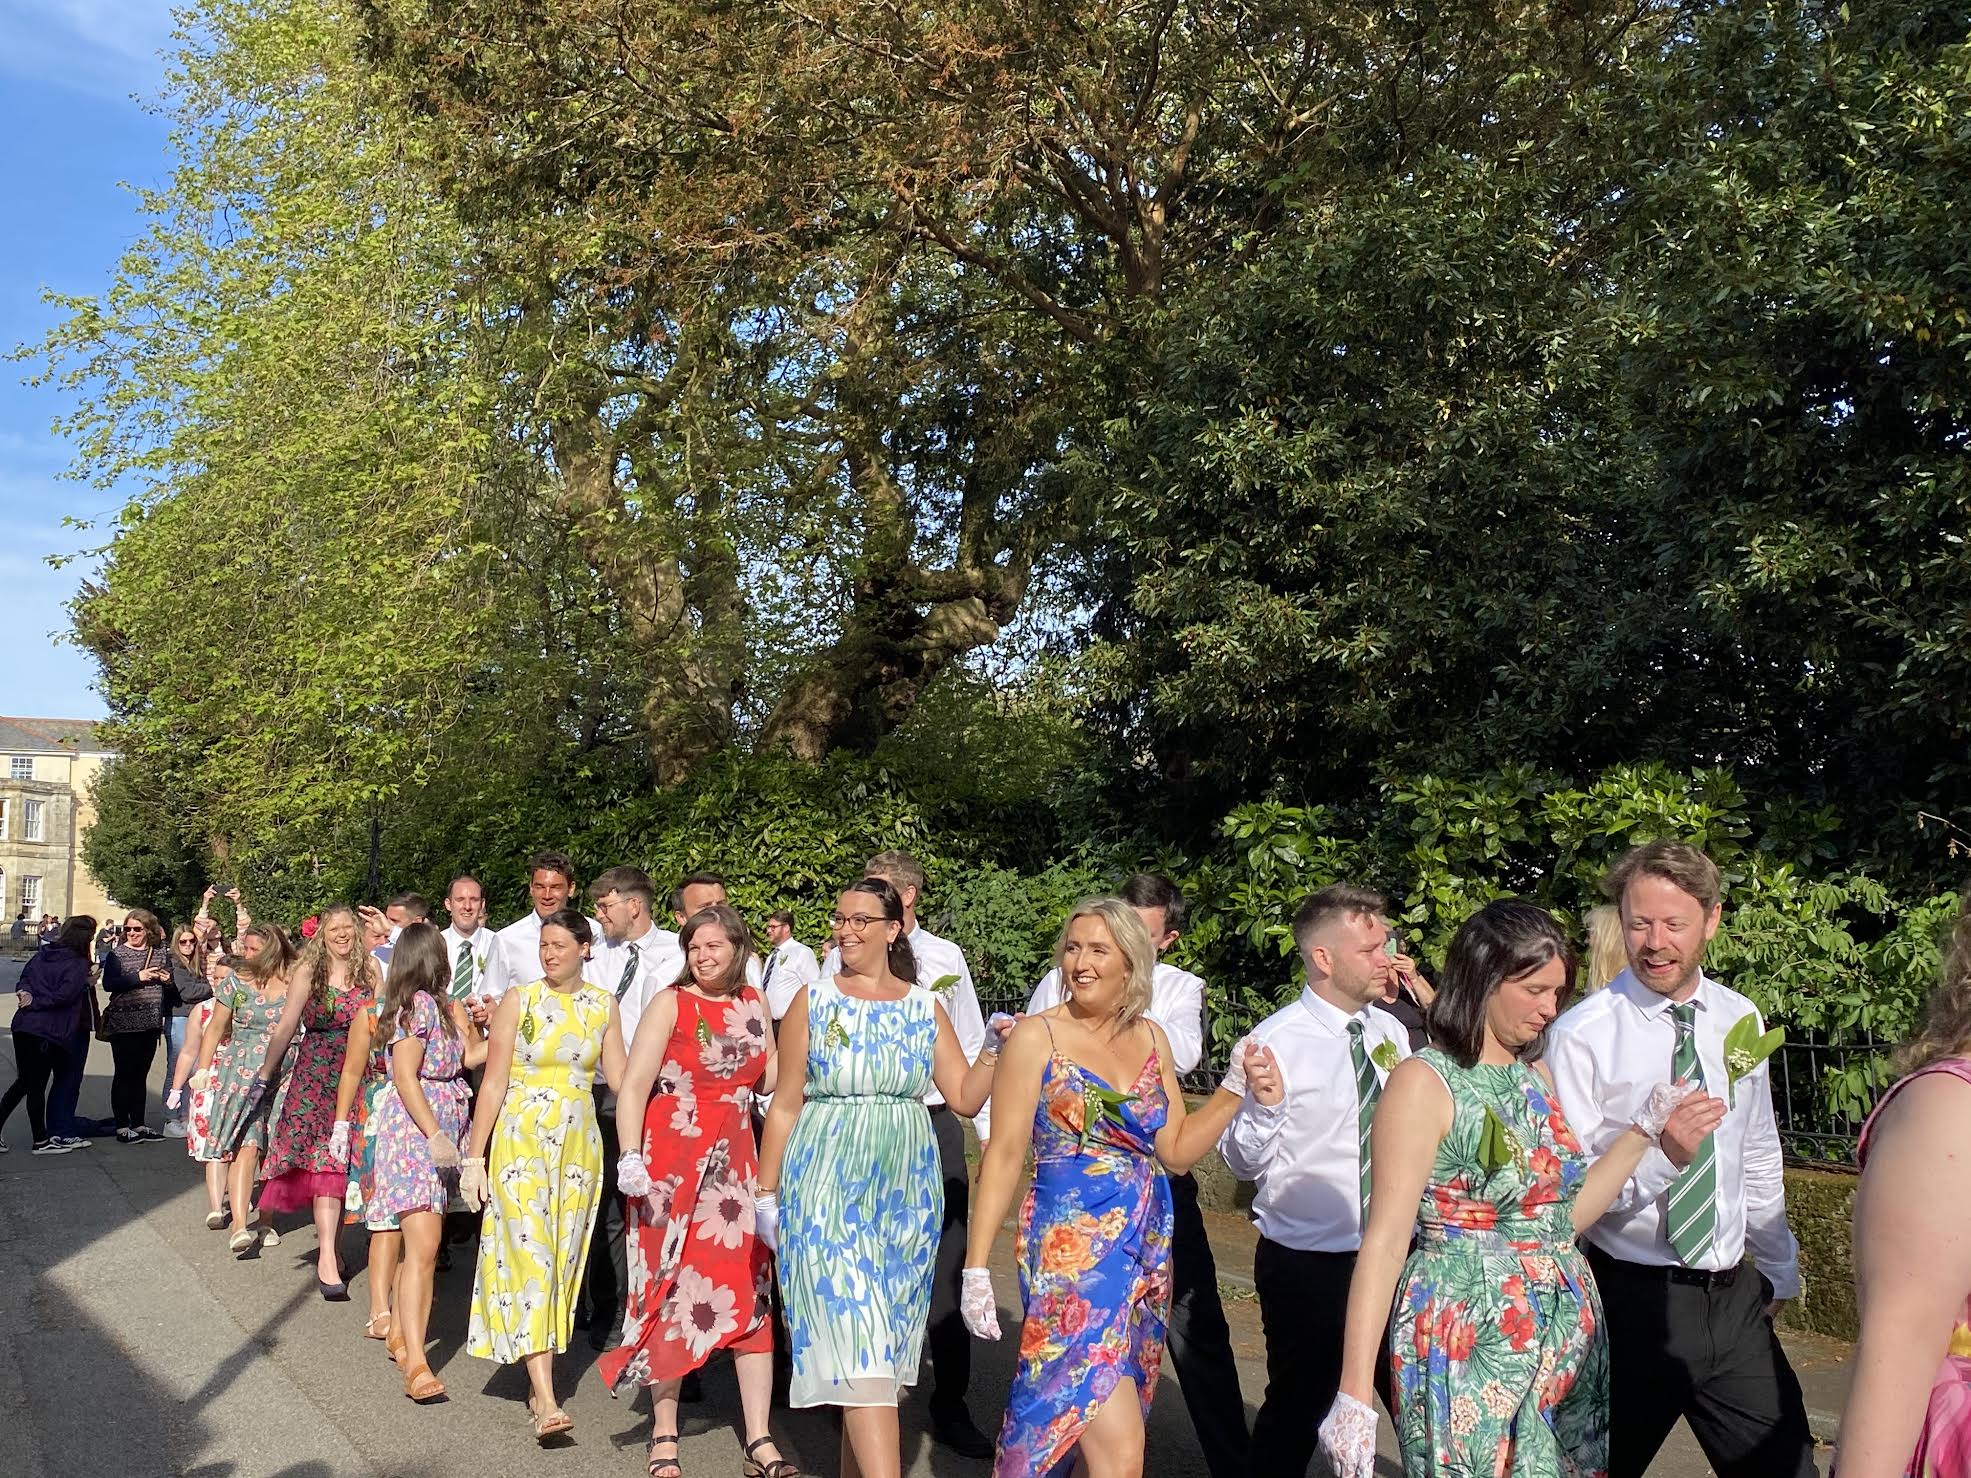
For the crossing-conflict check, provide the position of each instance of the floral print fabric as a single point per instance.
(236, 1065)
(405, 1179)
(1094, 1256)
(198, 1091)
(1943, 1447)
(361, 1186)
(545, 1167)
(862, 1200)
(698, 1274)
(299, 1166)
(1498, 1360)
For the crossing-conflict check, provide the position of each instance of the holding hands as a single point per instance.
(1678, 1116)
(1255, 1073)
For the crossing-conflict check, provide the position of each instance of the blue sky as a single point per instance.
(71, 74)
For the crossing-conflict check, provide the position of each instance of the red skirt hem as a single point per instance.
(296, 1190)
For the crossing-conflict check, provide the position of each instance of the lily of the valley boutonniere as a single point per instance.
(1745, 1049)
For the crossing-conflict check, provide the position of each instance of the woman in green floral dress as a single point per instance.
(1497, 1356)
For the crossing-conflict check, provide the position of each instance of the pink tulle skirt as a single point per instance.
(295, 1190)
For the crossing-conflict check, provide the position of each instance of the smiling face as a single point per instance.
(1525, 1005)
(710, 957)
(778, 933)
(697, 896)
(862, 934)
(339, 935)
(620, 914)
(1664, 932)
(561, 954)
(134, 932)
(549, 889)
(466, 904)
(1094, 970)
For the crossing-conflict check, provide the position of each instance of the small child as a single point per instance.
(198, 1114)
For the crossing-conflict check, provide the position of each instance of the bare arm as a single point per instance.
(217, 1029)
(646, 1059)
(1609, 1172)
(1912, 1250)
(965, 1085)
(355, 1057)
(613, 1056)
(298, 990)
(1188, 1135)
(406, 1058)
(1022, 1067)
(789, 1095)
(472, 1038)
(1412, 1118)
(499, 1068)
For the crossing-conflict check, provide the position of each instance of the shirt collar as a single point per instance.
(1331, 1017)
(1652, 1005)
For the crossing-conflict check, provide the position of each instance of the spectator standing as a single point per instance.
(1690, 1325)
(182, 995)
(51, 999)
(468, 942)
(135, 974)
(790, 965)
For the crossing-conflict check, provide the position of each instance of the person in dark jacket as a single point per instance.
(135, 975)
(53, 992)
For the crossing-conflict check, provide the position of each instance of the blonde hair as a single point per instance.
(1946, 1029)
(1608, 953)
(1139, 951)
(314, 961)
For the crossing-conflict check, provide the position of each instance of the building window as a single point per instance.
(6, 815)
(31, 821)
(20, 767)
(31, 895)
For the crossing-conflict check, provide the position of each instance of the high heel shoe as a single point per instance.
(334, 1293)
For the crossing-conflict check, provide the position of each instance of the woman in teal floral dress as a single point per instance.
(1497, 1356)
(864, 1201)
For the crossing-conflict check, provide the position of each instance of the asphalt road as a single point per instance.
(131, 1343)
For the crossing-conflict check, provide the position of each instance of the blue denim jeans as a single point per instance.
(174, 1043)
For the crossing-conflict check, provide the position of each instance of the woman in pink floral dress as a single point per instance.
(1909, 1405)
(698, 1273)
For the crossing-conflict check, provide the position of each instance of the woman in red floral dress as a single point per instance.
(698, 1273)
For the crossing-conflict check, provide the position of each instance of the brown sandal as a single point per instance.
(778, 1468)
(663, 1467)
(422, 1386)
(393, 1343)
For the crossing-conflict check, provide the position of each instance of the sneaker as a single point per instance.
(144, 1134)
(4, 1146)
(71, 1141)
(175, 1129)
(51, 1147)
(126, 1136)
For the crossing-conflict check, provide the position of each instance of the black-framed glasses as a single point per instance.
(859, 922)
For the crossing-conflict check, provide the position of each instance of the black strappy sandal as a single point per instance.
(778, 1468)
(663, 1467)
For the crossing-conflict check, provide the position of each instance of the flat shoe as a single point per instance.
(422, 1386)
(215, 1221)
(396, 1348)
(242, 1243)
(371, 1329)
(268, 1236)
(551, 1423)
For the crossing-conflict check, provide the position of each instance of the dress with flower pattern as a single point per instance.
(699, 1277)
(198, 1091)
(356, 1197)
(1094, 1256)
(1943, 1445)
(405, 1179)
(299, 1166)
(1498, 1360)
(862, 1200)
(237, 1122)
(545, 1168)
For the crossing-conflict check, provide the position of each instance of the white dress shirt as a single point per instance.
(659, 963)
(516, 956)
(482, 952)
(1606, 1054)
(789, 966)
(1177, 1004)
(937, 958)
(1304, 1153)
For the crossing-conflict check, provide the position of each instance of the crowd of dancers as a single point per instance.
(1539, 1232)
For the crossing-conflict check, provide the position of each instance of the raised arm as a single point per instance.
(1188, 1134)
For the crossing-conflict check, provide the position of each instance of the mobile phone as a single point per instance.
(1393, 946)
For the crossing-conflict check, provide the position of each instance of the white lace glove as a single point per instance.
(172, 1099)
(766, 1219)
(1235, 1070)
(1663, 1101)
(444, 1151)
(339, 1142)
(999, 1026)
(632, 1175)
(976, 1305)
(1348, 1437)
(473, 1187)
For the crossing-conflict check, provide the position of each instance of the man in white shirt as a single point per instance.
(790, 964)
(468, 942)
(515, 958)
(1689, 1325)
(941, 967)
(1308, 1157)
(1199, 1340)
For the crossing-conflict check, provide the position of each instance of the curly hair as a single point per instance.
(314, 961)
(1946, 1029)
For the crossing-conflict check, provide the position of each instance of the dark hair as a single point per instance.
(1149, 890)
(1677, 863)
(417, 963)
(412, 904)
(78, 933)
(552, 862)
(631, 882)
(1337, 900)
(575, 922)
(725, 917)
(903, 959)
(781, 916)
(1504, 940)
(695, 880)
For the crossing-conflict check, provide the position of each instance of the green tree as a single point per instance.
(137, 847)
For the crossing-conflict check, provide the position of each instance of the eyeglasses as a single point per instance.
(857, 922)
(133, 928)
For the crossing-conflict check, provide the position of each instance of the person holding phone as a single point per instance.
(1406, 994)
(135, 974)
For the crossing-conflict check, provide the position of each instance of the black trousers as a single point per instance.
(949, 1339)
(1682, 1345)
(1303, 1310)
(607, 1280)
(37, 1060)
(1201, 1343)
(133, 1053)
(65, 1098)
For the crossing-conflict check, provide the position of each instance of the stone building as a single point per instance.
(46, 766)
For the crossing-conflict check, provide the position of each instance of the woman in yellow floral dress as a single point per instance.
(536, 1162)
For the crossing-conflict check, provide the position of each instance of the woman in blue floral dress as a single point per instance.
(1090, 1085)
(1498, 1360)
(850, 1137)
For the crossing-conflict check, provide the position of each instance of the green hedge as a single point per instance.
(1820, 1205)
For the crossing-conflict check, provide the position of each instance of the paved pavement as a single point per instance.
(132, 1343)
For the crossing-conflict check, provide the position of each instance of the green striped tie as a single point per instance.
(629, 975)
(1691, 1214)
(1368, 1088)
(462, 972)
